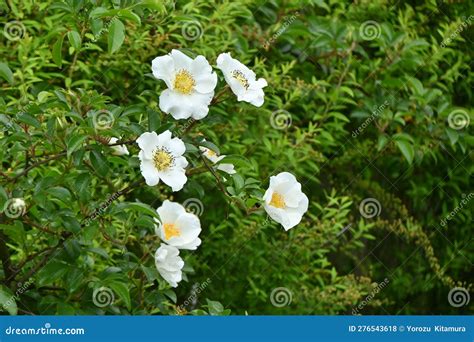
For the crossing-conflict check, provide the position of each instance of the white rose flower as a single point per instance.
(161, 158)
(178, 228)
(215, 158)
(190, 82)
(169, 264)
(241, 80)
(118, 150)
(284, 200)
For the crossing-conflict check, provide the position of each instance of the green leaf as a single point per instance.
(210, 146)
(416, 85)
(407, 150)
(156, 5)
(99, 163)
(238, 181)
(127, 14)
(136, 206)
(171, 295)
(7, 300)
(51, 272)
(59, 192)
(215, 308)
(453, 135)
(122, 291)
(116, 35)
(191, 148)
(74, 39)
(65, 309)
(3, 197)
(29, 120)
(57, 52)
(6, 73)
(74, 142)
(382, 141)
(153, 120)
(235, 159)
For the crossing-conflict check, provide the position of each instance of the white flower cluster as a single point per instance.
(190, 90)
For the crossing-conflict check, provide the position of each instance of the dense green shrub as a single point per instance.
(366, 101)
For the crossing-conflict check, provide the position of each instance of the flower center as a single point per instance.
(239, 76)
(184, 82)
(277, 200)
(162, 159)
(171, 230)
(211, 153)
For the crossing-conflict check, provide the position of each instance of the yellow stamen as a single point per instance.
(211, 153)
(277, 200)
(184, 82)
(162, 159)
(171, 230)
(239, 76)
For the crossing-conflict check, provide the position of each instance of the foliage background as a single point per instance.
(74, 59)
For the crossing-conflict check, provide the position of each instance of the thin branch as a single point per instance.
(32, 166)
(44, 229)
